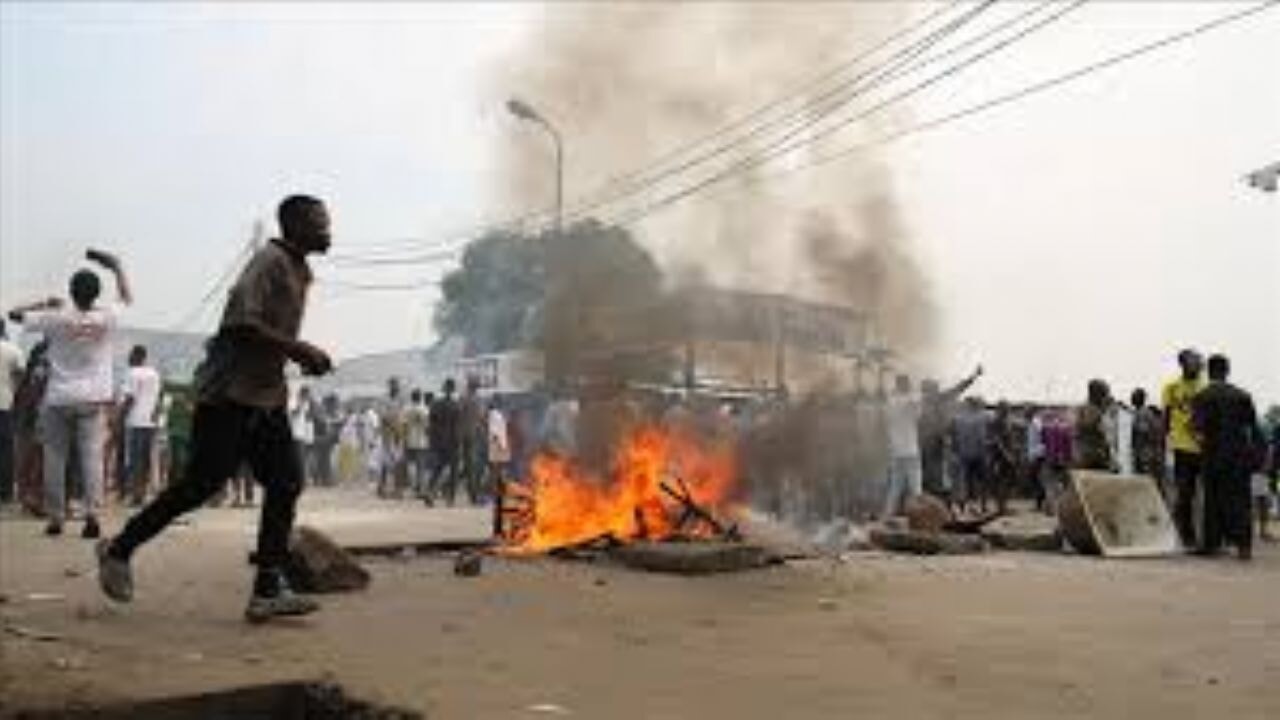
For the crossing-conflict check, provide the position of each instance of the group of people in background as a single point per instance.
(136, 440)
(427, 446)
(1211, 454)
(1205, 447)
(67, 424)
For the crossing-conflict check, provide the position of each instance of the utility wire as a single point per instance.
(188, 321)
(645, 175)
(784, 147)
(420, 259)
(896, 66)
(366, 287)
(813, 112)
(1021, 93)
(652, 168)
(1043, 85)
(940, 121)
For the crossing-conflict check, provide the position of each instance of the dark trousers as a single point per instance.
(977, 486)
(1035, 486)
(1186, 478)
(7, 451)
(474, 468)
(222, 436)
(445, 460)
(1228, 514)
(140, 443)
(933, 462)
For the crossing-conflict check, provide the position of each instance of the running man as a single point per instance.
(241, 413)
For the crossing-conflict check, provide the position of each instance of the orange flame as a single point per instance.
(570, 505)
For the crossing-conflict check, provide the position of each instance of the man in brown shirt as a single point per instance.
(241, 412)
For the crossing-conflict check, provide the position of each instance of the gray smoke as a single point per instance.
(627, 82)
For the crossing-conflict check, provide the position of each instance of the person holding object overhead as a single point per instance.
(80, 386)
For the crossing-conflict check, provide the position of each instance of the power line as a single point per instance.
(368, 287)
(187, 321)
(898, 65)
(1037, 87)
(641, 175)
(934, 123)
(815, 110)
(420, 259)
(652, 168)
(778, 149)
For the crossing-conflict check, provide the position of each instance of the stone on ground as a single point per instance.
(1032, 532)
(318, 565)
(927, 543)
(693, 558)
(467, 564)
(926, 513)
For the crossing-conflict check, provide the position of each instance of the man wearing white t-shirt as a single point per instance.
(141, 408)
(80, 386)
(302, 423)
(902, 415)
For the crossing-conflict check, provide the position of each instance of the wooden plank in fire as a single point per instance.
(693, 510)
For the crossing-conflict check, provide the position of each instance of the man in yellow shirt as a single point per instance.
(1180, 429)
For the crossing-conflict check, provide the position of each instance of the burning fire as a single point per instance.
(567, 505)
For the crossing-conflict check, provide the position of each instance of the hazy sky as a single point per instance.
(1089, 231)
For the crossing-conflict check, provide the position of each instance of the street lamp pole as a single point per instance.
(526, 112)
(556, 291)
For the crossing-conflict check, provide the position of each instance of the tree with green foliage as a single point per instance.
(547, 290)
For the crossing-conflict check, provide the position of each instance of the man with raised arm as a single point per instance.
(80, 386)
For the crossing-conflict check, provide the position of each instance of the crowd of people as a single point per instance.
(1205, 447)
(67, 424)
(421, 445)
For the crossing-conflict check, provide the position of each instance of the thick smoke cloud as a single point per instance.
(627, 82)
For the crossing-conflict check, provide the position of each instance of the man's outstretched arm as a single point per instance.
(19, 313)
(959, 388)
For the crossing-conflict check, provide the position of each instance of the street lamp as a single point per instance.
(558, 349)
(525, 111)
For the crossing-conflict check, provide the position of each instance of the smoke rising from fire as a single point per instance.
(627, 82)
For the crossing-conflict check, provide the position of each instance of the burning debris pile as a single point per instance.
(662, 485)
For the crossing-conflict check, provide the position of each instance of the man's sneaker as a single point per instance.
(91, 530)
(53, 528)
(114, 575)
(283, 604)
